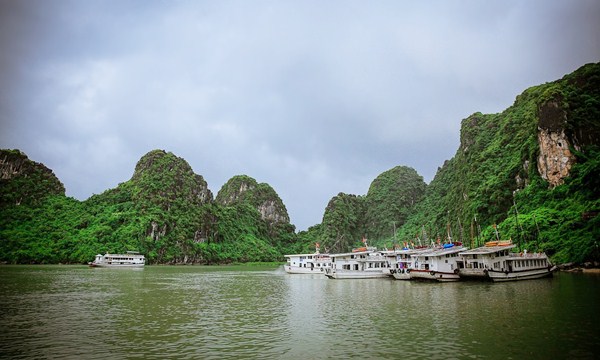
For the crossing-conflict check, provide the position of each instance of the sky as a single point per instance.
(312, 97)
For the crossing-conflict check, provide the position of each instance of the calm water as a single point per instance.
(248, 312)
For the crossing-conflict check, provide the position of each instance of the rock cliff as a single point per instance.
(23, 181)
(244, 189)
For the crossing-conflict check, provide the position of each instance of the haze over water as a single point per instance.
(262, 312)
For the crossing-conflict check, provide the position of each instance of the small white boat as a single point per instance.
(441, 264)
(132, 259)
(522, 266)
(479, 261)
(361, 263)
(307, 263)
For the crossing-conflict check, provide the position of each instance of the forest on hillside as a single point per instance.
(529, 173)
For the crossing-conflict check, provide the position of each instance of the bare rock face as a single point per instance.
(242, 188)
(555, 159)
(271, 211)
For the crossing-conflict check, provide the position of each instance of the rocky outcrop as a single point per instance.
(555, 158)
(164, 179)
(23, 181)
(244, 189)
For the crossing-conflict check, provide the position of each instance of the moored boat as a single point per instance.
(361, 263)
(479, 261)
(307, 263)
(404, 262)
(522, 266)
(131, 259)
(441, 264)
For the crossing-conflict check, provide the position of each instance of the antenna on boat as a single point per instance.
(460, 228)
(537, 236)
(472, 234)
(478, 228)
(517, 219)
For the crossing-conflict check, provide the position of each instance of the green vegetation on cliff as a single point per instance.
(350, 218)
(509, 171)
(531, 172)
(166, 211)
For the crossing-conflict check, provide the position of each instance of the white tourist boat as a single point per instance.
(361, 263)
(404, 262)
(522, 266)
(131, 259)
(392, 265)
(441, 264)
(479, 261)
(307, 263)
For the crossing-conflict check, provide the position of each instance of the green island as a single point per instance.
(529, 173)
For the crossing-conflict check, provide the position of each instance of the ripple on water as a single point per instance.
(201, 312)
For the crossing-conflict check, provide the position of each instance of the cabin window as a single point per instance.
(474, 256)
(356, 267)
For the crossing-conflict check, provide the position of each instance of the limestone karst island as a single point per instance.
(528, 174)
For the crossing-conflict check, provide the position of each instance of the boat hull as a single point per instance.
(433, 275)
(498, 276)
(473, 273)
(341, 274)
(300, 270)
(401, 274)
(120, 266)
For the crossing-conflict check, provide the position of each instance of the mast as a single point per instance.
(517, 221)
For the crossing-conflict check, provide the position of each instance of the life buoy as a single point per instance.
(456, 271)
(432, 273)
(408, 271)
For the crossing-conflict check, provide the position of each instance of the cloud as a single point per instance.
(314, 98)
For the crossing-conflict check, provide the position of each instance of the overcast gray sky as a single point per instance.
(311, 97)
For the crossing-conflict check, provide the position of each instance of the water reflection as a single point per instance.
(241, 312)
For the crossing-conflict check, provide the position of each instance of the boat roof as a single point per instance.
(415, 251)
(127, 254)
(442, 251)
(354, 253)
(482, 250)
(526, 256)
(311, 254)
